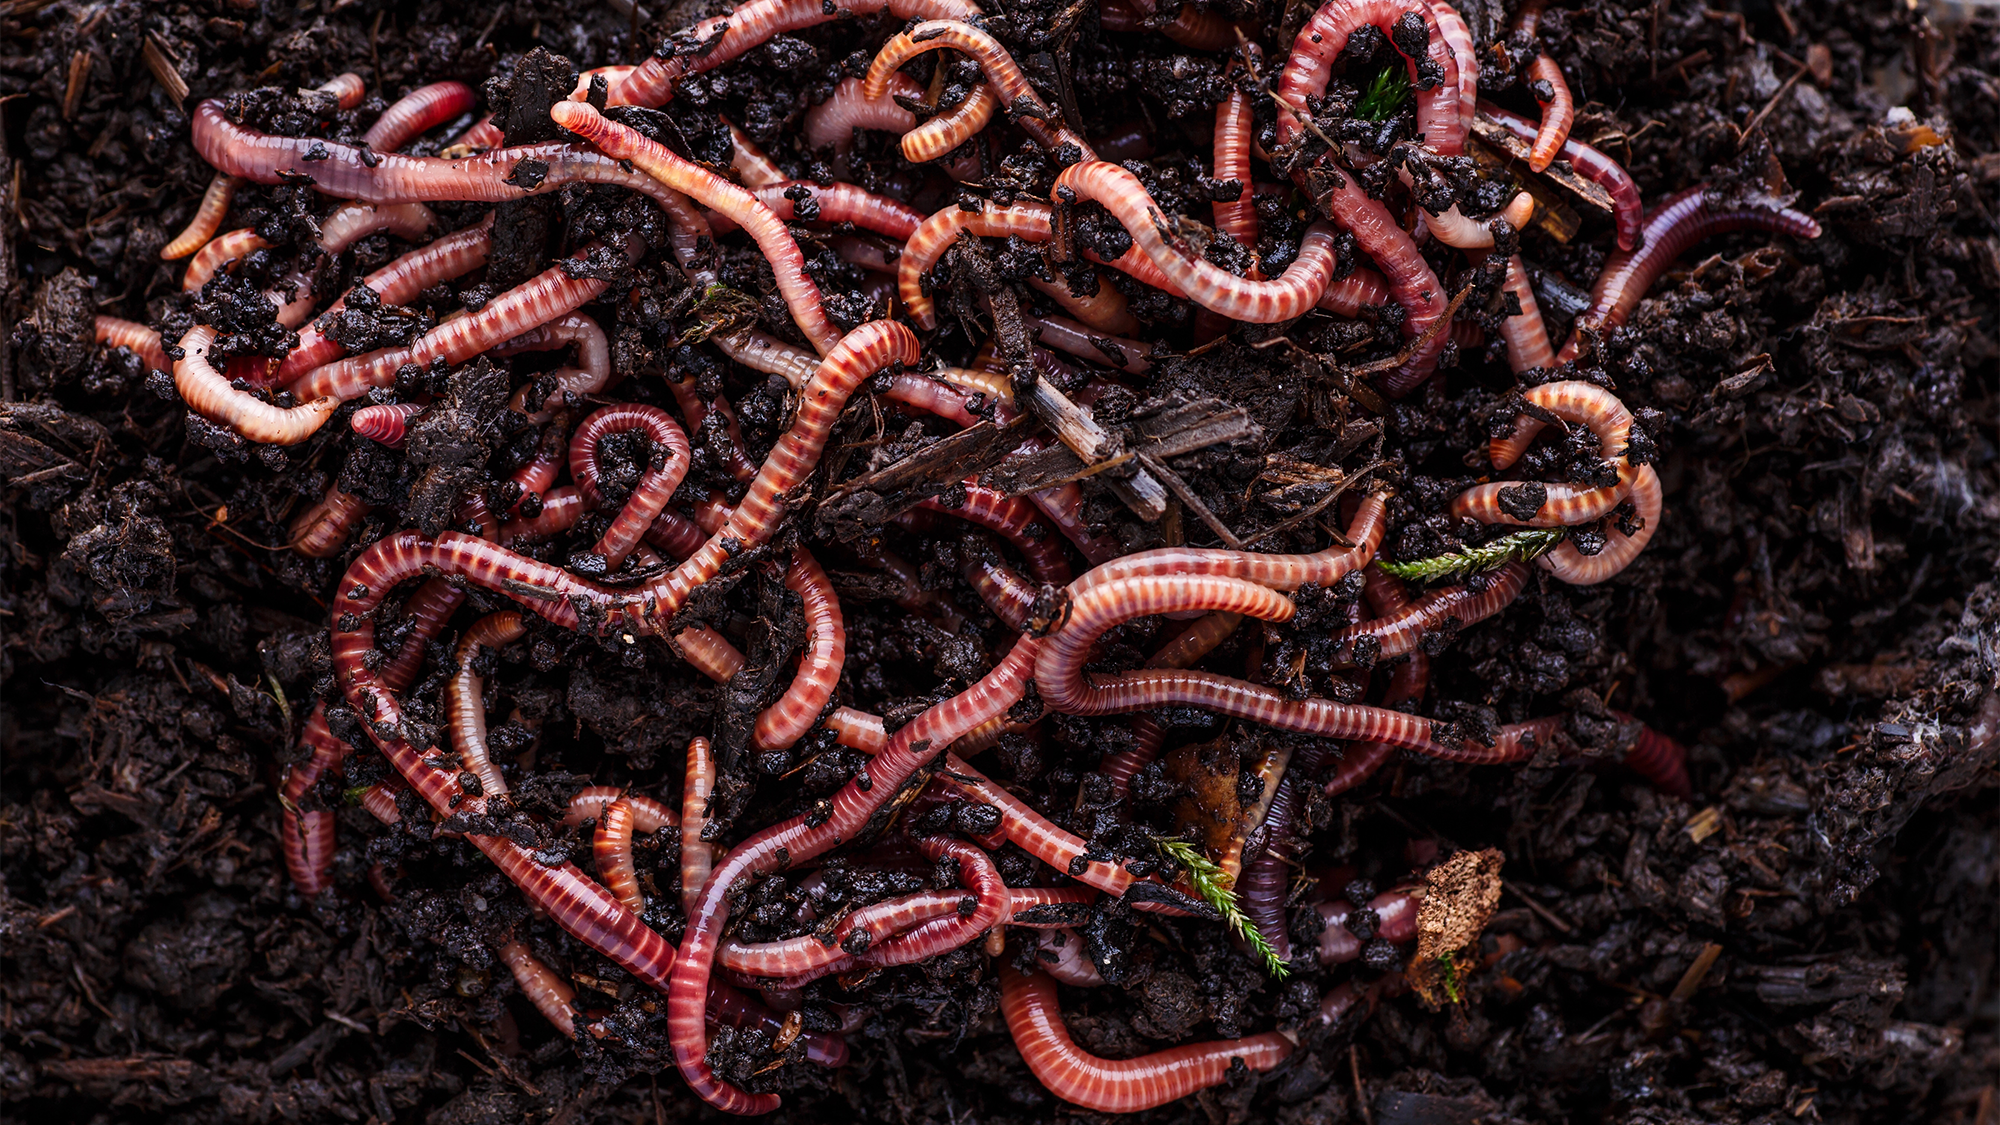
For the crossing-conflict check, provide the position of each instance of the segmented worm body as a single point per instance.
(1627, 208)
(1118, 1085)
(1679, 223)
(417, 113)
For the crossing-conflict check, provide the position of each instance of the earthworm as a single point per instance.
(943, 934)
(611, 846)
(208, 393)
(717, 40)
(797, 711)
(1060, 677)
(308, 836)
(932, 396)
(219, 252)
(1578, 569)
(1025, 106)
(1206, 284)
(348, 89)
(1063, 957)
(709, 652)
(694, 412)
(1063, 505)
(561, 508)
(831, 123)
(1563, 505)
(655, 486)
(1401, 631)
(795, 840)
(1030, 830)
(1657, 758)
(753, 167)
(1679, 223)
(133, 337)
(464, 702)
(1118, 1085)
(545, 989)
(1234, 127)
(538, 300)
(1324, 36)
(1262, 886)
(697, 854)
(208, 216)
(1279, 572)
(1192, 643)
(1005, 592)
(1627, 208)
(719, 195)
(1014, 520)
(949, 128)
(417, 113)
(1028, 219)
(1458, 37)
(1453, 228)
(593, 352)
(1396, 921)
(1411, 281)
(349, 172)
(841, 203)
(858, 355)
(1559, 108)
(1527, 338)
(1195, 28)
(386, 425)
(1104, 310)
(319, 531)
(799, 957)
(446, 257)
(1364, 288)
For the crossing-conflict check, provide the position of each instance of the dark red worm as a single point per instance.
(797, 711)
(320, 530)
(1119, 1085)
(349, 172)
(840, 203)
(656, 485)
(417, 113)
(1396, 921)
(1010, 596)
(1025, 106)
(308, 836)
(384, 424)
(697, 854)
(795, 841)
(669, 173)
(1559, 108)
(1320, 41)
(1014, 519)
(719, 39)
(1387, 597)
(1198, 28)
(1267, 877)
(135, 338)
(442, 259)
(535, 302)
(464, 702)
(1400, 632)
(1563, 505)
(1677, 225)
(1236, 218)
(1627, 208)
(1193, 643)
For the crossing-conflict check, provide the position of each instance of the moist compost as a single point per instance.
(1808, 937)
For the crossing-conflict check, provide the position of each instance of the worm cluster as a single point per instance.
(909, 294)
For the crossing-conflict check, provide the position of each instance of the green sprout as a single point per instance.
(1217, 889)
(1452, 986)
(1520, 546)
(1386, 94)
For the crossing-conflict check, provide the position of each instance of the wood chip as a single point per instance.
(1704, 824)
(161, 62)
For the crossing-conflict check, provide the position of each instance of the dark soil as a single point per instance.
(1817, 619)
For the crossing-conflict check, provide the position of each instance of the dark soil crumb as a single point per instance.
(1810, 939)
